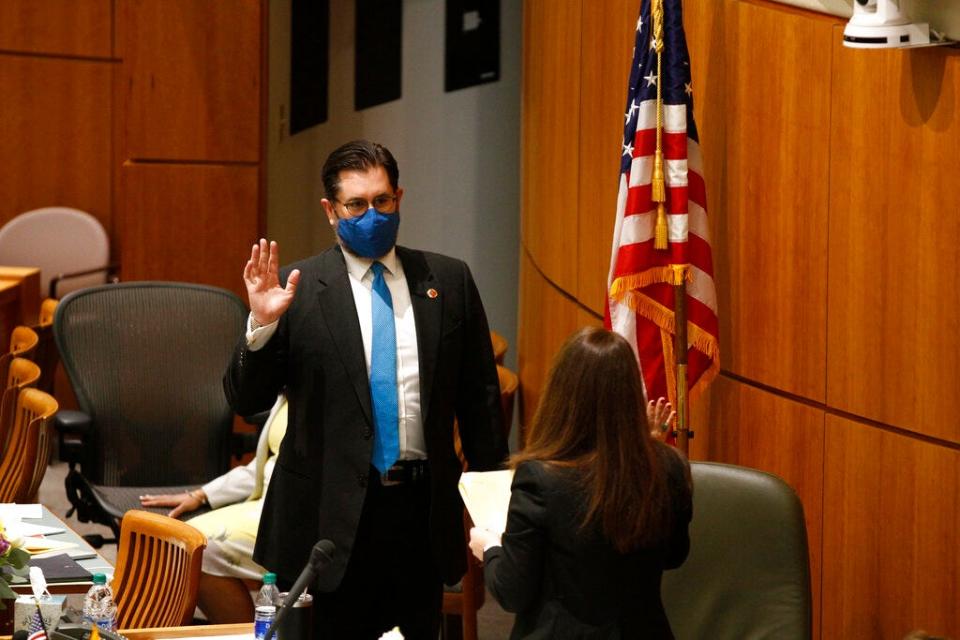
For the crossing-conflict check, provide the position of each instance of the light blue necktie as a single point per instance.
(383, 375)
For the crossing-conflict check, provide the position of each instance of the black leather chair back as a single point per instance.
(748, 573)
(146, 360)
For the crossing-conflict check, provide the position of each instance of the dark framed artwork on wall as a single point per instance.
(472, 43)
(379, 52)
(309, 63)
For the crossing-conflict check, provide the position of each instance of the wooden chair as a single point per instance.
(23, 344)
(24, 460)
(47, 309)
(21, 374)
(499, 346)
(465, 599)
(46, 354)
(158, 571)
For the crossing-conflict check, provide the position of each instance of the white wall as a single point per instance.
(458, 152)
(943, 15)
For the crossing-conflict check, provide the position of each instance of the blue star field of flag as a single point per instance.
(677, 84)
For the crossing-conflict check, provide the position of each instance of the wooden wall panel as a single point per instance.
(705, 27)
(893, 239)
(756, 428)
(59, 27)
(547, 317)
(604, 70)
(774, 287)
(891, 513)
(550, 135)
(55, 142)
(193, 223)
(192, 77)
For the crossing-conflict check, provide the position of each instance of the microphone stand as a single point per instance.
(320, 556)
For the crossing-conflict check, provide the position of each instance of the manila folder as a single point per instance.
(487, 497)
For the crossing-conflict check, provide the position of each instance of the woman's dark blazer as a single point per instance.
(564, 582)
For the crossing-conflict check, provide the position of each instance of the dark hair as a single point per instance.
(592, 417)
(357, 155)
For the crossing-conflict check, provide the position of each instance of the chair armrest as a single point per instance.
(71, 427)
(110, 269)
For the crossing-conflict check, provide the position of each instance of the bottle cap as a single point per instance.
(99, 578)
(269, 578)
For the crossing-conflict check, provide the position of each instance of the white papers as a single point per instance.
(31, 529)
(13, 511)
(486, 495)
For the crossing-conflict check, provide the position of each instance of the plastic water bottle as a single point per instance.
(98, 605)
(265, 606)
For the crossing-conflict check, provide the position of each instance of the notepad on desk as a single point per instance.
(61, 568)
(57, 568)
(35, 545)
(486, 495)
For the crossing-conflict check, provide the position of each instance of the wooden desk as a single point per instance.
(27, 280)
(94, 564)
(196, 631)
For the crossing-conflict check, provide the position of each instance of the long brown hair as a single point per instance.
(592, 417)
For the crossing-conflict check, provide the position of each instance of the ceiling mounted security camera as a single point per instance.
(881, 24)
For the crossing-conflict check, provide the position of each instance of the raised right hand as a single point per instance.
(268, 300)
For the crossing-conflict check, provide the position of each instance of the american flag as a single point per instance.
(36, 629)
(640, 304)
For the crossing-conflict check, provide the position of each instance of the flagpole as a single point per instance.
(682, 432)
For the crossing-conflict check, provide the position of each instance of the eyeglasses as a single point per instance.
(384, 203)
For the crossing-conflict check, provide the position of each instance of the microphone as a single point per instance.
(20, 635)
(320, 557)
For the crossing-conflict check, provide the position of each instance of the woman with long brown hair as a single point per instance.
(598, 510)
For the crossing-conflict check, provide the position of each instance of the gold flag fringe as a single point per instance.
(664, 318)
(672, 274)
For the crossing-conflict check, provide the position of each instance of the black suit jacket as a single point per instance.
(319, 482)
(564, 582)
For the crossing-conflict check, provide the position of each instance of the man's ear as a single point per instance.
(399, 194)
(328, 209)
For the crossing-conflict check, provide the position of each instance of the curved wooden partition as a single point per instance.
(829, 175)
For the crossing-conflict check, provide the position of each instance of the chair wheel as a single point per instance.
(95, 540)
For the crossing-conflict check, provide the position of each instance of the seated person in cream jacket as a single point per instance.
(235, 500)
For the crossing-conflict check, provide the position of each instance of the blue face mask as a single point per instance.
(371, 235)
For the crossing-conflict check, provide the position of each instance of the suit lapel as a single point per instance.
(428, 314)
(340, 315)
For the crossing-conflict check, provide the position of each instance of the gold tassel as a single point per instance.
(658, 182)
(660, 232)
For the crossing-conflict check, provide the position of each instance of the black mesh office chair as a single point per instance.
(146, 361)
(748, 572)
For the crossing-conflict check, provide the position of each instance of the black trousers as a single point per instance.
(390, 579)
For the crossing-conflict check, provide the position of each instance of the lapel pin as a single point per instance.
(432, 293)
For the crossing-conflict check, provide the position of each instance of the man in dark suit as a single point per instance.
(379, 348)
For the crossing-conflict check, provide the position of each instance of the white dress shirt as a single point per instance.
(412, 445)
